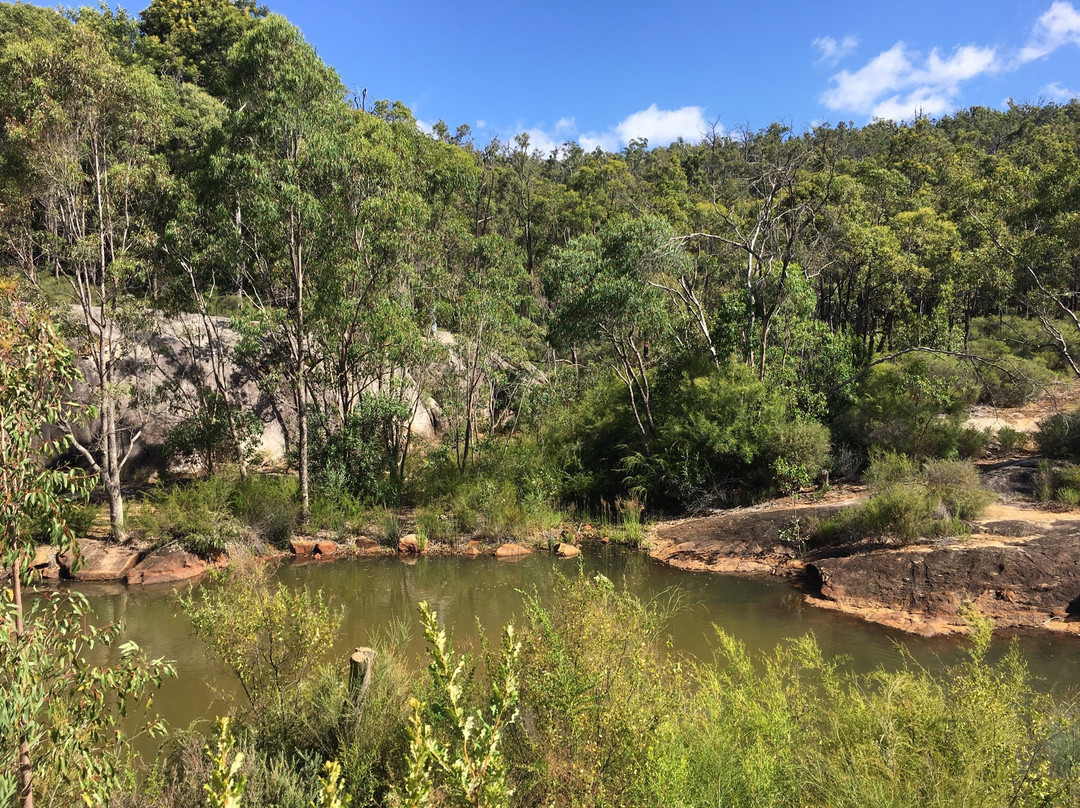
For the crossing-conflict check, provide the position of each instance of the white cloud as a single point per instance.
(663, 126)
(900, 84)
(1059, 25)
(1055, 91)
(480, 123)
(542, 141)
(659, 126)
(832, 51)
(424, 126)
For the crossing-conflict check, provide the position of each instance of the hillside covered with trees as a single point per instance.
(671, 322)
(665, 329)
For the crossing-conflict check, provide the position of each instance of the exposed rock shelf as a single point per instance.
(1021, 566)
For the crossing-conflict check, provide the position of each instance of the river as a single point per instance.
(373, 593)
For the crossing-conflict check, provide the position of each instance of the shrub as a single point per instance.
(339, 514)
(268, 635)
(1059, 436)
(208, 435)
(268, 505)
(956, 485)
(915, 405)
(1010, 440)
(937, 501)
(195, 515)
(595, 698)
(358, 457)
(888, 467)
(972, 443)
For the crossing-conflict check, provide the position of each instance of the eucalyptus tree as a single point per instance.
(85, 129)
(284, 163)
(602, 293)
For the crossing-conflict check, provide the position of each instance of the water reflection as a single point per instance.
(375, 593)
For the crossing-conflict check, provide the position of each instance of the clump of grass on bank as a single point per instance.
(506, 495)
(206, 516)
(908, 502)
(1058, 484)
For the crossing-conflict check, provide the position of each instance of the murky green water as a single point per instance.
(375, 592)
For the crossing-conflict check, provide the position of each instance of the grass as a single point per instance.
(908, 503)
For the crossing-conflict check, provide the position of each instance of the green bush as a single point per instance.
(342, 514)
(1010, 440)
(268, 505)
(208, 436)
(915, 405)
(1060, 484)
(357, 457)
(905, 505)
(793, 729)
(957, 487)
(888, 467)
(597, 701)
(1059, 436)
(195, 515)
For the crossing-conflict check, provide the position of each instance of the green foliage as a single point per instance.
(792, 729)
(268, 505)
(1059, 436)
(915, 405)
(1011, 440)
(909, 503)
(216, 433)
(454, 750)
(598, 698)
(77, 716)
(268, 636)
(197, 516)
(207, 515)
(358, 459)
(226, 786)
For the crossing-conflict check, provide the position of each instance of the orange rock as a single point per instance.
(409, 543)
(325, 549)
(166, 566)
(511, 550)
(100, 561)
(302, 547)
(564, 550)
(366, 545)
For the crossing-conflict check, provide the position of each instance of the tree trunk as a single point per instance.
(26, 787)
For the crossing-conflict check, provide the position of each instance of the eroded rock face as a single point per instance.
(564, 550)
(1017, 582)
(100, 561)
(511, 550)
(167, 565)
(366, 546)
(303, 547)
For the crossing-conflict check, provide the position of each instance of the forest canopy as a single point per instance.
(675, 322)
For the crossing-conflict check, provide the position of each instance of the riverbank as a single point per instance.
(1020, 566)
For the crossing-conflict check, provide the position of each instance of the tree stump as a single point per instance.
(361, 667)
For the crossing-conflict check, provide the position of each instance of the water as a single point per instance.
(375, 592)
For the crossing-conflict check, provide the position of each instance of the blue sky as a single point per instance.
(604, 72)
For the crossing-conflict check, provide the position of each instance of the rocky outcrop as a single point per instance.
(366, 546)
(1019, 581)
(565, 550)
(167, 565)
(100, 561)
(303, 547)
(511, 551)
(1021, 566)
(409, 544)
